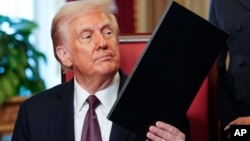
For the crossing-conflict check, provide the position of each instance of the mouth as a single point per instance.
(104, 57)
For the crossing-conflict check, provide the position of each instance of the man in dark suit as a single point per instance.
(234, 62)
(85, 40)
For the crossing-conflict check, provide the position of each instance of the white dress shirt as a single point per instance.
(107, 98)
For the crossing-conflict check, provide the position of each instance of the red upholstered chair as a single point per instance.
(202, 113)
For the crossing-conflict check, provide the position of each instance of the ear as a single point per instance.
(64, 55)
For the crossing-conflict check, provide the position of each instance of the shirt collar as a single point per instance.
(106, 96)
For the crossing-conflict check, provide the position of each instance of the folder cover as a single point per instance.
(170, 71)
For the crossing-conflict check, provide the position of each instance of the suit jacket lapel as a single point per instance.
(63, 113)
(118, 133)
(245, 3)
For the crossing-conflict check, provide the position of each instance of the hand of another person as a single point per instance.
(239, 121)
(162, 131)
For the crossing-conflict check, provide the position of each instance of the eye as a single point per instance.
(107, 33)
(85, 37)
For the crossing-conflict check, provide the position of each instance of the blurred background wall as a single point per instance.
(148, 12)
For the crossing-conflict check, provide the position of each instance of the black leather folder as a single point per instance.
(170, 71)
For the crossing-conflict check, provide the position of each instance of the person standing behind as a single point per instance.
(85, 38)
(234, 62)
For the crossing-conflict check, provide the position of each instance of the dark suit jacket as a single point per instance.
(234, 84)
(48, 116)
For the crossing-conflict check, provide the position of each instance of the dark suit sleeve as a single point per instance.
(185, 128)
(20, 132)
(213, 18)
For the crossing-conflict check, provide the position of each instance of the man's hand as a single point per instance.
(162, 131)
(239, 121)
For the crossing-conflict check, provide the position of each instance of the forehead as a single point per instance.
(96, 17)
(90, 21)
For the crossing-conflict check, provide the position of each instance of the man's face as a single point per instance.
(93, 45)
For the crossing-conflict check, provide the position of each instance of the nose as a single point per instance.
(101, 42)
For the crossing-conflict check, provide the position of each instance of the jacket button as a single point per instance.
(241, 64)
(238, 28)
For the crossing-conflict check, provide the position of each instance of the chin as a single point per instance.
(109, 70)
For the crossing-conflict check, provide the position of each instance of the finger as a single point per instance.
(227, 127)
(153, 137)
(163, 135)
(231, 123)
(167, 127)
(158, 132)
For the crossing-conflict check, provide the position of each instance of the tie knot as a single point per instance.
(93, 101)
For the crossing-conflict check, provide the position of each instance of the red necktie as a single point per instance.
(91, 130)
